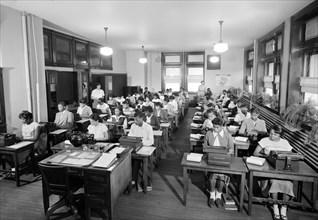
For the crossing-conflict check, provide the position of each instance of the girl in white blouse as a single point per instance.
(99, 130)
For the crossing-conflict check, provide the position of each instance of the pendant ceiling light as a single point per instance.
(106, 51)
(142, 59)
(220, 47)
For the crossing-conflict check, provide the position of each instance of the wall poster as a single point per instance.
(222, 80)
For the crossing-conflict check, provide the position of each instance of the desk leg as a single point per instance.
(46, 202)
(242, 190)
(235, 150)
(185, 185)
(314, 194)
(151, 167)
(299, 190)
(16, 167)
(250, 193)
(144, 174)
(191, 147)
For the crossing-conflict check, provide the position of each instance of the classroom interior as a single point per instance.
(52, 57)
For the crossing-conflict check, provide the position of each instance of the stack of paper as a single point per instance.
(196, 125)
(117, 150)
(198, 113)
(105, 160)
(259, 161)
(242, 139)
(196, 136)
(146, 150)
(197, 118)
(194, 157)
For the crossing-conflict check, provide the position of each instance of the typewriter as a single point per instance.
(218, 155)
(284, 160)
(7, 139)
(134, 142)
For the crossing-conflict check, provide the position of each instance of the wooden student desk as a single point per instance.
(18, 152)
(305, 173)
(195, 142)
(237, 167)
(113, 180)
(165, 128)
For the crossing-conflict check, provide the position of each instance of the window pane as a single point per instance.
(312, 98)
(250, 88)
(172, 71)
(195, 71)
(269, 47)
(313, 68)
(311, 30)
(270, 69)
(174, 86)
(279, 42)
(193, 87)
(269, 91)
(195, 58)
(172, 59)
(251, 55)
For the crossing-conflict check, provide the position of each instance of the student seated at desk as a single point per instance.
(143, 130)
(156, 98)
(151, 119)
(168, 106)
(148, 102)
(105, 109)
(141, 105)
(31, 131)
(242, 115)
(253, 126)
(99, 130)
(112, 101)
(276, 186)
(127, 110)
(217, 183)
(236, 109)
(119, 119)
(161, 113)
(64, 119)
(174, 104)
(84, 110)
(207, 124)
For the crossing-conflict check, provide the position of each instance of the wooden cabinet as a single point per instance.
(3, 126)
(62, 50)
(81, 53)
(48, 53)
(94, 55)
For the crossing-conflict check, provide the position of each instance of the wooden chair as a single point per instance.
(56, 181)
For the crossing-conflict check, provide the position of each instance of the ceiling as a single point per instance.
(164, 25)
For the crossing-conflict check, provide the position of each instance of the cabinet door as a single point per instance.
(48, 54)
(94, 56)
(107, 62)
(62, 50)
(81, 53)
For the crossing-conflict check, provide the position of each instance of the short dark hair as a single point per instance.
(95, 117)
(141, 98)
(120, 109)
(244, 106)
(83, 101)
(171, 97)
(125, 102)
(139, 114)
(148, 109)
(26, 115)
(62, 103)
(255, 110)
(217, 121)
(277, 129)
(166, 99)
(159, 104)
(101, 99)
(98, 84)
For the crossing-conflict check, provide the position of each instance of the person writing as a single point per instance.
(104, 108)
(253, 126)
(151, 118)
(276, 186)
(145, 132)
(84, 110)
(99, 130)
(217, 183)
(31, 131)
(97, 94)
(63, 119)
(242, 115)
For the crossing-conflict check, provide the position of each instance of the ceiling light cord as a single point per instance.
(221, 22)
(106, 28)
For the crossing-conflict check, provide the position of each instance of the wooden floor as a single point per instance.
(163, 202)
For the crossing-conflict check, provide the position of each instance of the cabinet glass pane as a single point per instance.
(81, 53)
(279, 42)
(46, 47)
(94, 56)
(270, 71)
(63, 50)
(270, 47)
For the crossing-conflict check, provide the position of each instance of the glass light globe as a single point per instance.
(106, 51)
(220, 47)
(143, 60)
(214, 59)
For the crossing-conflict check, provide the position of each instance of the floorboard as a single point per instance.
(163, 202)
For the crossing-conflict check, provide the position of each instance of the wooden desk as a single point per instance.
(305, 173)
(147, 165)
(83, 124)
(19, 152)
(195, 142)
(165, 128)
(113, 180)
(237, 167)
(57, 136)
(239, 145)
(196, 130)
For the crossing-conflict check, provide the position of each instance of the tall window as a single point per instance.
(182, 70)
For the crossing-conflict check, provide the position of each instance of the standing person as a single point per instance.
(31, 131)
(277, 186)
(84, 110)
(146, 92)
(201, 90)
(97, 94)
(64, 119)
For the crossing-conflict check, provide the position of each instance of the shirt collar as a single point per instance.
(221, 133)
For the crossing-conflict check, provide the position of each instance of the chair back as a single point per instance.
(55, 178)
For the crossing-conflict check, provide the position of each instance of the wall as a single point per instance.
(12, 61)
(153, 71)
(135, 70)
(232, 63)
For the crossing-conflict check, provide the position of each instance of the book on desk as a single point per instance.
(194, 157)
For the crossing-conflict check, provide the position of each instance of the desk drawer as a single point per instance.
(95, 201)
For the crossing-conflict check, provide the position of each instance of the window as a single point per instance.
(248, 80)
(312, 98)
(311, 65)
(183, 70)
